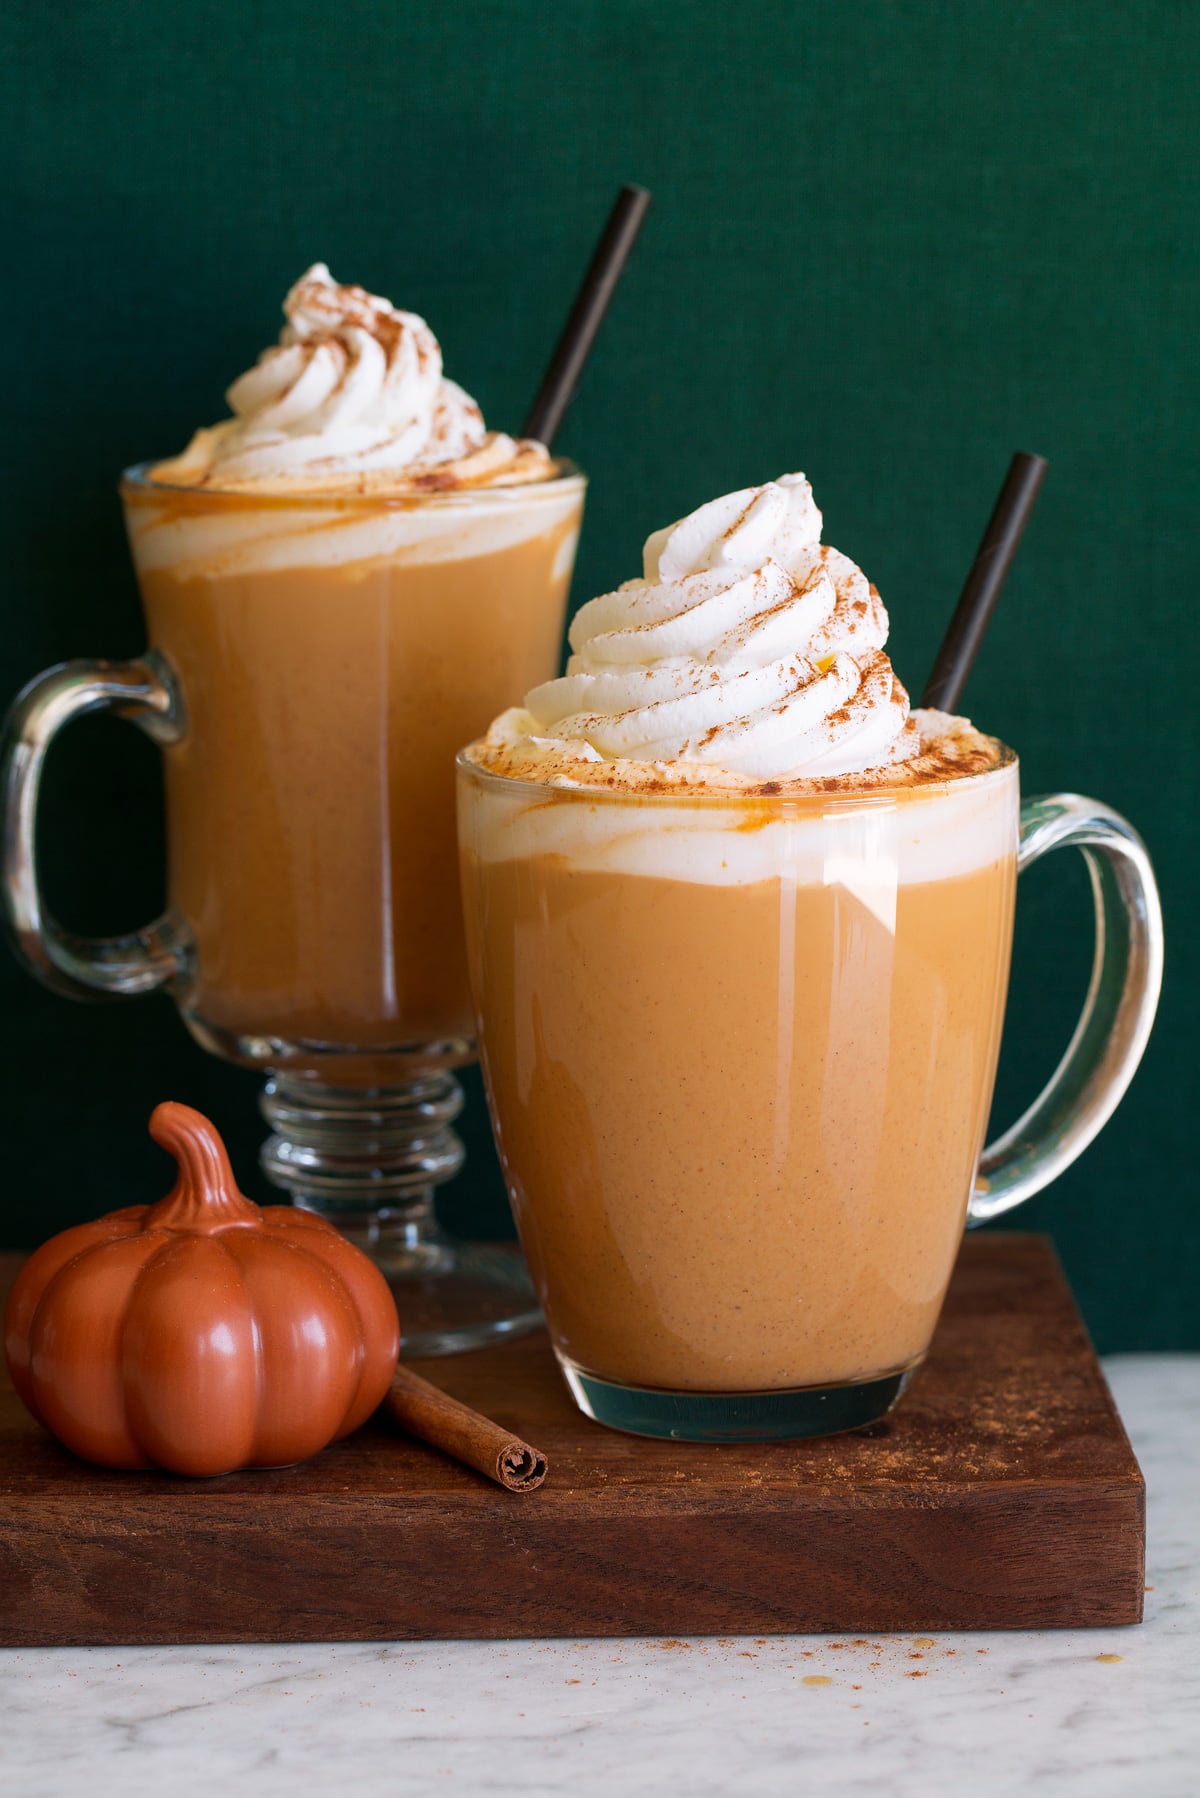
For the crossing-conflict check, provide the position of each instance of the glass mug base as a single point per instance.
(772, 1416)
(451, 1296)
(368, 1158)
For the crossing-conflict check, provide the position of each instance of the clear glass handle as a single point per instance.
(1102, 1056)
(82, 967)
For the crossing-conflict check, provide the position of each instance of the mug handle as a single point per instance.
(1122, 996)
(78, 966)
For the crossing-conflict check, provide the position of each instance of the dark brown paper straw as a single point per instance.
(587, 314)
(428, 1412)
(989, 570)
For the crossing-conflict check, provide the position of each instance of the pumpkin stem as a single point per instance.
(205, 1196)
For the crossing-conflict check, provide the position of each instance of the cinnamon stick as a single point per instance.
(425, 1411)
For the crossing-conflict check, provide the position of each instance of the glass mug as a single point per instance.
(314, 664)
(740, 1053)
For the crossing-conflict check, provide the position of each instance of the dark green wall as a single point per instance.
(893, 241)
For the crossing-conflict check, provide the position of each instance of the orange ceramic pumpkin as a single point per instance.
(200, 1334)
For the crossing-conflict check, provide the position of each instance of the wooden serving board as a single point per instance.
(1002, 1494)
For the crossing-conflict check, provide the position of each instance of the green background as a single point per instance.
(892, 242)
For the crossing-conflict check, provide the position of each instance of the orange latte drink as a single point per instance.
(739, 930)
(741, 1096)
(345, 581)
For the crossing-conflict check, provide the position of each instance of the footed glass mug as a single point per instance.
(740, 1054)
(314, 664)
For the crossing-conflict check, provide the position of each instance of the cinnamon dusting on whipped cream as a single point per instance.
(352, 399)
(748, 658)
(936, 747)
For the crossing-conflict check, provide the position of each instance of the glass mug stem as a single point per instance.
(369, 1160)
(77, 966)
(1118, 1012)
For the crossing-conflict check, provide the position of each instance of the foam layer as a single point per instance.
(869, 842)
(215, 534)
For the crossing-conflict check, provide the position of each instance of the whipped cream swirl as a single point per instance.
(353, 390)
(747, 647)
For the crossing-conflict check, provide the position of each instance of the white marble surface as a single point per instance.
(1083, 1714)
